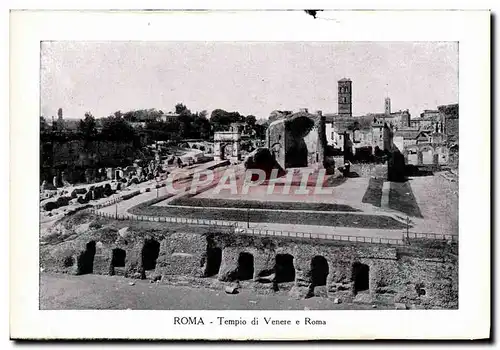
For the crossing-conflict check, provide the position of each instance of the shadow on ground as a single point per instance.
(401, 198)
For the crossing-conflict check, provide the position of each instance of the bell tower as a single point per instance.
(387, 105)
(345, 97)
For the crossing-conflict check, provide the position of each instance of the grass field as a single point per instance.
(373, 194)
(253, 204)
(272, 216)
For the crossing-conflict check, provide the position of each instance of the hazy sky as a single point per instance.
(251, 78)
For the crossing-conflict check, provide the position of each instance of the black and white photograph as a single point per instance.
(227, 176)
(247, 175)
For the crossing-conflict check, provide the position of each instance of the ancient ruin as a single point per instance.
(298, 140)
(298, 268)
(230, 140)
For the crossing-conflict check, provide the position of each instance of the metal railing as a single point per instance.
(434, 236)
(325, 236)
(280, 233)
(124, 197)
(250, 231)
(108, 203)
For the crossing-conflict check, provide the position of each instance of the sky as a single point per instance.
(249, 77)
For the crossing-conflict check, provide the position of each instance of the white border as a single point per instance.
(471, 29)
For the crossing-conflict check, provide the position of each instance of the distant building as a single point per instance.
(138, 124)
(449, 114)
(432, 138)
(427, 139)
(408, 136)
(61, 124)
(168, 117)
(365, 133)
(428, 120)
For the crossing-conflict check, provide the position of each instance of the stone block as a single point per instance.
(400, 306)
(320, 291)
(299, 292)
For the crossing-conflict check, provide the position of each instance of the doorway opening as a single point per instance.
(214, 259)
(284, 269)
(360, 277)
(319, 270)
(85, 261)
(245, 266)
(150, 252)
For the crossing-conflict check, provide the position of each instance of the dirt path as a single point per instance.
(60, 291)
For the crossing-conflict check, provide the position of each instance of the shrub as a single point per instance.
(62, 201)
(50, 206)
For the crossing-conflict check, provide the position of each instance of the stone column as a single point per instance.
(217, 151)
(229, 263)
(236, 150)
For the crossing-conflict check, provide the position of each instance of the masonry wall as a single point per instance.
(76, 155)
(276, 141)
(410, 276)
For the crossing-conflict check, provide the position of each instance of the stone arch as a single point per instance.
(284, 268)
(412, 155)
(245, 266)
(222, 139)
(360, 277)
(149, 254)
(319, 270)
(420, 289)
(297, 152)
(117, 260)
(442, 155)
(426, 155)
(85, 261)
(68, 261)
(226, 150)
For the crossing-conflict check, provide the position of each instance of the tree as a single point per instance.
(221, 120)
(44, 126)
(163, 131)
(117, 129)
(200, 126)
(260, 130)
(203, 114)
(181, 109)
(87, 126)
(250, 120)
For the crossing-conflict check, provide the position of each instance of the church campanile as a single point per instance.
(345, 97)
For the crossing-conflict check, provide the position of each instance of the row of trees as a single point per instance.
(158, 126)
(187, 125)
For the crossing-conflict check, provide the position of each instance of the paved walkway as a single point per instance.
(437, 199)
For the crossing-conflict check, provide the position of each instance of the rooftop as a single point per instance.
(408, 134)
